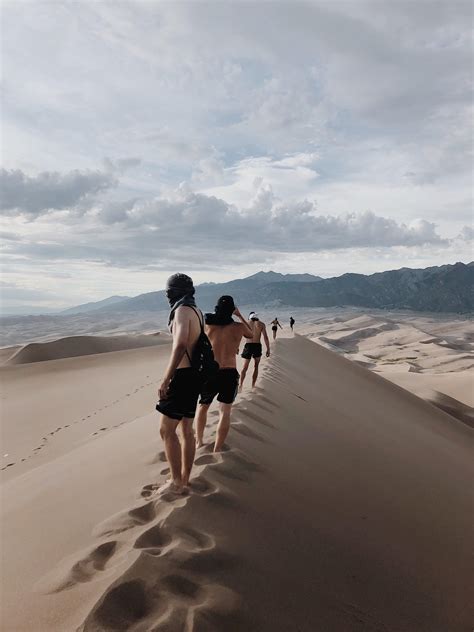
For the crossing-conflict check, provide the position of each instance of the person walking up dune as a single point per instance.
(275, 325)
(225, 335)
(253, 349)
(180, 387)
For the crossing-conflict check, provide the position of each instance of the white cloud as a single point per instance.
(356, 106)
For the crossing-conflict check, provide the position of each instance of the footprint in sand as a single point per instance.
(194, 540)
(125, 520)
(154, 538)
(181, 586)
(82, 571)
(242, 429)
(206, 459)
(159, 458)
(122, 607)
(201, 486)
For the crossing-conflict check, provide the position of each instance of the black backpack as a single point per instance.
(203, 356)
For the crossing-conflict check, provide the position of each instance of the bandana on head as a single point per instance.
(222, 313)
(179, 291)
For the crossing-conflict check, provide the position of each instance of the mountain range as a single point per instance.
(448, 288)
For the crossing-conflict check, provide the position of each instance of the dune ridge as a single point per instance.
(339, 504)
(75, 346)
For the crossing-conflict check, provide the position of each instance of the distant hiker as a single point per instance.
(225, 335)
(275, 325)
(179, 390)
(253, 349)
(292, 322)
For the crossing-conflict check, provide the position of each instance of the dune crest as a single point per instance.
(74, 346)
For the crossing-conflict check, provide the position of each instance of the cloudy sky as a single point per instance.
(218, 138)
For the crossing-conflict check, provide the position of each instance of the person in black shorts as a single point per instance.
(225, 335)
(225, 385)
(275, 325)
(253, 349)
(179, 390)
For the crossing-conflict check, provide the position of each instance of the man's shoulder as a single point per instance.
(187, 311)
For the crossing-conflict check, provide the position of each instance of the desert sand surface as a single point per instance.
(431, 356)
(341, 503)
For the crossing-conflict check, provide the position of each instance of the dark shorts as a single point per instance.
(183, 395)
(225, 385)
(252, 350)
(274, 328)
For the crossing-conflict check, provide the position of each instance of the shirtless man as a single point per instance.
(254, 349)
(275, 325)
(179, 389)
(225, 336)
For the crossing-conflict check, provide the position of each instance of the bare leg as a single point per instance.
(223, 427)
(274, 334)
(188, 449)
(201, 421)
(255, 371)
(172, 449)
(244, 373)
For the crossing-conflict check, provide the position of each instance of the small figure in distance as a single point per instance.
(225, 335)
(292, 322)
(275, 325)
(253, 349)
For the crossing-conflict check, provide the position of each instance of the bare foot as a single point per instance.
(173, 487)
(199, 443)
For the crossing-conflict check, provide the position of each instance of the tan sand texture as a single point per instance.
(73, 346)
(342, 504)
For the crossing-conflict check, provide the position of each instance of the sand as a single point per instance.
(342, 503)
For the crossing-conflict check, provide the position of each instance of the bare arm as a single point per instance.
(247, 330)
(265, 338)
(180, 340)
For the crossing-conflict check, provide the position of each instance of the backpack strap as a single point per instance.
(201, 318)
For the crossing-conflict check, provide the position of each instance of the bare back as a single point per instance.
(257, 329)
(225, 340)
(186, 327)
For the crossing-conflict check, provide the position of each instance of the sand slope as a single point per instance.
(342, 504)
(73, 346)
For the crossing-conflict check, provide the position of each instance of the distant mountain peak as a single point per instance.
(276, 277)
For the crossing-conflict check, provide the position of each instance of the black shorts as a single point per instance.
(225, 385)
(183, 393)
(274, 328)
(252, 350)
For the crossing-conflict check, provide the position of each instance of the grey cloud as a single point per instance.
(34, 196)
(467, 233)
(195, 218)
(193, 227)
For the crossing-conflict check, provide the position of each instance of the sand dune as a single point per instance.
(424, 355)
(73, 346)
(341, 504)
